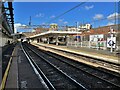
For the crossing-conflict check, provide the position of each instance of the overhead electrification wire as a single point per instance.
(67, 11)
(64, 13)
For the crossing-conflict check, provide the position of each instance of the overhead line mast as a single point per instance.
(30, 21)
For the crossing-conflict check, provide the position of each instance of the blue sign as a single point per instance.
(77, 36)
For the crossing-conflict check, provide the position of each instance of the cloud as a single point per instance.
(16, 25)
(61, 20)
(110, 23)
(89, 7)
(43, 23)
(39, 15)
(98, 16)
(23, 25)
(65, 22)
(112, 16)
(53, 16)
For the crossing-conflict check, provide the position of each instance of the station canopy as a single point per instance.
(56, 33)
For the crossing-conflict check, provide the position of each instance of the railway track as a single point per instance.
(98, 61)
(52, 75)
(88, 76)
(110, 65)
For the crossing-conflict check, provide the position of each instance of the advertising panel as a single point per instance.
(97, 41)
(95, 38)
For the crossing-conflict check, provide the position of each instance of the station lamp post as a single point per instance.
(77, 32)
(112, 41)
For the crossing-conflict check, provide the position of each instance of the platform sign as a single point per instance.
(111, 42)
(77, 36)
(94, 38)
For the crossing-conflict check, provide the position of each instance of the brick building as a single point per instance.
(96, 37)
(40, 30)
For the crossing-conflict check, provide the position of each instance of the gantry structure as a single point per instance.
(6, 18)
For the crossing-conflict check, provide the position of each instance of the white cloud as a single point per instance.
(39, 15)
(23, 25)
(110, 23)
(112, 16)
(16, 25)
(53, 16)
(65, 22)
(43, 23)
(89, 7)
(98, 16)
(61, 20)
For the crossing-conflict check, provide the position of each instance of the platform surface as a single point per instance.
(103, 55)
(12, 79)
(21, 75)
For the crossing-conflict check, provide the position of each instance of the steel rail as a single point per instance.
(80, 55)
(38, 71)
(80, 69)
(85, 71)
(73, 80)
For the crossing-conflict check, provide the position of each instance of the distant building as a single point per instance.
(27, 34)
(100, 36)
(71, 28)
(40, 30)
(80, 28)
(85, 26)
(53, 26)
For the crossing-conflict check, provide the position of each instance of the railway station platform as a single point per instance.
(10, 77)
(102, 56)
(109, 57)
(19, 73)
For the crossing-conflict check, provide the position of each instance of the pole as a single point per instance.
(97, 42)
(48, 40)
(77, 32)
(76, 37)
(116, 34)
(115, 12)
(29, 30)
(81, 40)
(111, 34)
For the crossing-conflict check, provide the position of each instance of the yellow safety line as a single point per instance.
(2, 86)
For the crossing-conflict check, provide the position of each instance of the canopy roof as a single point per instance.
(55, 33)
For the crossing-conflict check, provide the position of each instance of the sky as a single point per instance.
(43, 12)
